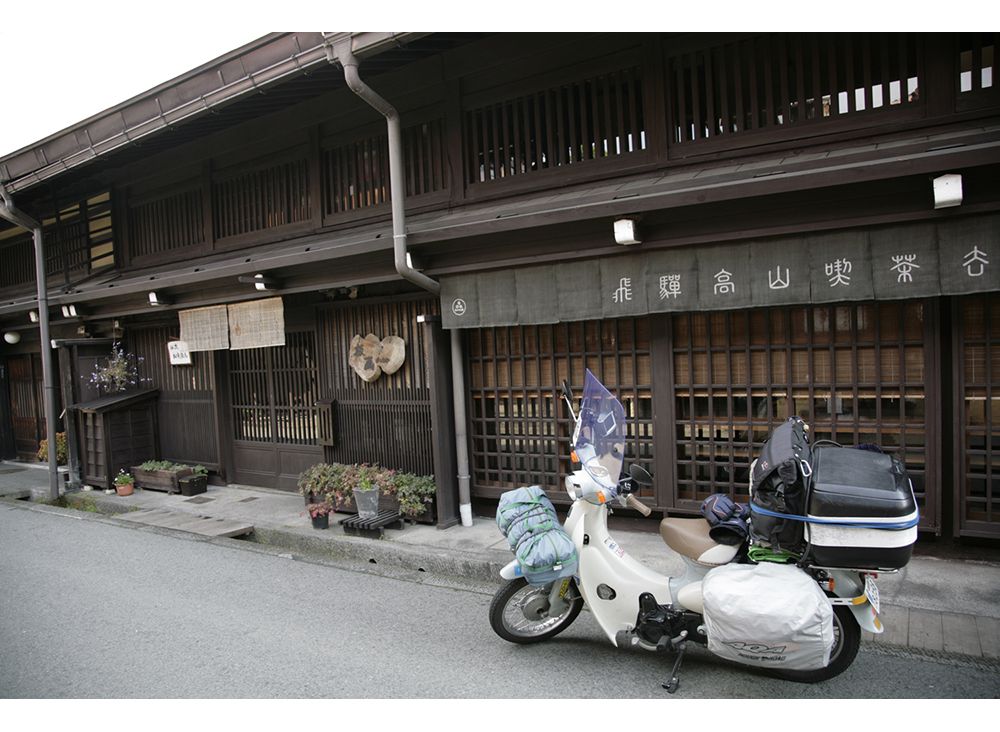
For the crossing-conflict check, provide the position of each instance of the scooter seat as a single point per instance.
(689, 538)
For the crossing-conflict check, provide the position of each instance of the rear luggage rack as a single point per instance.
(855, 569)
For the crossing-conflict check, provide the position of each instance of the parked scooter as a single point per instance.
(637, 607)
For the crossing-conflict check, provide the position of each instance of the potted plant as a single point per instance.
(415, 494)
(124, 483)
(161, 475)
(61, 449)
(197, 482)
(366, 489)
(320, 482)
(320, 514)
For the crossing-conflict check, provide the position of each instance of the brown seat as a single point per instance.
(689, 537)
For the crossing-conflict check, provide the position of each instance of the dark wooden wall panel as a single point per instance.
(188, 427)
(387, 421)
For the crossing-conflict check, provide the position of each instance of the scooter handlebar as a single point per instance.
(633, 502)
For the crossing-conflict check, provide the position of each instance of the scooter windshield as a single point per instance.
(599, 439)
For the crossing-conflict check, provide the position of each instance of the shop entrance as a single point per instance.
(273, 415)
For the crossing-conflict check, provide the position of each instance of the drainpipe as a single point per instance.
(10, 212)
(342, 54)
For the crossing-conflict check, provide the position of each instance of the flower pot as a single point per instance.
(321, 522)
(124, 489)
(366, 501)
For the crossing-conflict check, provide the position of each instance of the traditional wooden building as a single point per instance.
(810, 224)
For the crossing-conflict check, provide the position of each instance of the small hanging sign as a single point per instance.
(179, 353)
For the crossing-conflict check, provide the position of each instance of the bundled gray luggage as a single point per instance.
(544, 550)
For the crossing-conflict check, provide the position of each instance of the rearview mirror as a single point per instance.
(640, 475)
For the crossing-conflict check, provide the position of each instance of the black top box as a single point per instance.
(855, 483)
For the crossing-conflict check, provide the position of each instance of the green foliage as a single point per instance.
(335, 484)
(319, 509)
(152, 465)
(414, 493)
(62, 451)
(123, 478)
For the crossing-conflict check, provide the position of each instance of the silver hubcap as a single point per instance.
(525, 615)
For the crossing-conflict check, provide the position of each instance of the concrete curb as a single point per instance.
(470, 565)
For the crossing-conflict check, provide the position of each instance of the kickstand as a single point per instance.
(671, 686)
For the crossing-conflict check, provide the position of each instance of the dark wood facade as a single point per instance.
(521, 149)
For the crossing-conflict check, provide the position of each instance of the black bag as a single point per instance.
(779, 484)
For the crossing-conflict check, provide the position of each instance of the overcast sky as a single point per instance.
(62, 62)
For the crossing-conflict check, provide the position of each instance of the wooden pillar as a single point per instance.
(7, 446)
(442, 420)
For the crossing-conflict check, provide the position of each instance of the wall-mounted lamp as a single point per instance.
(33, 316)
(947, 191)
(627, 232)
(261, 282)
(71, 311)
(155, 298)
(12, 337)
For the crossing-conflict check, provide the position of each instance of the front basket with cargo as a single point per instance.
(862, 511)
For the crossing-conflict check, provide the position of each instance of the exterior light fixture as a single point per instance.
(261, 282)
(33, 316)
(947, 191)
(71, 311)
(156, 298)
(12, 337)
(626, 232)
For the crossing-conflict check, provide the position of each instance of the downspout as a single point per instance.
(342, 54)
(17, 217)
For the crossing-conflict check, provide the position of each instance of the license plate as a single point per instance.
(871, 592)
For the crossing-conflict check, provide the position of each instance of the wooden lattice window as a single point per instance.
(977, 67)
(855, 373)
(17, 251)
(263, 198)
(597, 118)
(356, 175)
(79, 239)
(520, 429)
(274, 392)
(977, 321)
(166, 224)
(780, 81)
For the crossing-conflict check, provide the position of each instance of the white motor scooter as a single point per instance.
(635, 606)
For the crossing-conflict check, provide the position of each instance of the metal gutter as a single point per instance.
(247, 70)
(342, 52)
(10, 212)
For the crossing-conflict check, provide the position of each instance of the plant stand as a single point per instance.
(372, 528)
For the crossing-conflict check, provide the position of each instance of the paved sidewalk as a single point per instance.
(934, 605)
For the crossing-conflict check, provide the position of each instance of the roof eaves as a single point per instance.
(221, 81)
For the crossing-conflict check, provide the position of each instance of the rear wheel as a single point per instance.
(846, 641)
(519, 612)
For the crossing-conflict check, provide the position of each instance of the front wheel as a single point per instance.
(519, 612)
(846, 641)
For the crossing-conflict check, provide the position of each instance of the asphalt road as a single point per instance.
(93, 609)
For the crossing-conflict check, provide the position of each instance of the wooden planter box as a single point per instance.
(160, 480)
